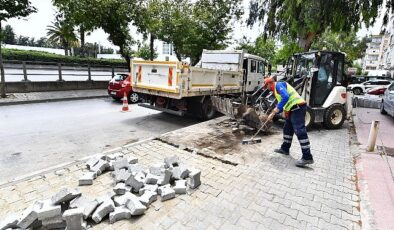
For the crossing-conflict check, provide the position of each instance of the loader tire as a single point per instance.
(334, 117)
(309, 117)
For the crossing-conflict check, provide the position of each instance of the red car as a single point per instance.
(119, 85)
(377, 90)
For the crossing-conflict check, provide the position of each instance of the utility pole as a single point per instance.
(3, 95)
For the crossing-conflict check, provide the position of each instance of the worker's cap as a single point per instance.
(267, 81)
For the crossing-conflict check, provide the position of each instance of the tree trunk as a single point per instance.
(306, 42)
(151, 47)
(82, 35)
(126, 57)
(177, 54)
(3, 95)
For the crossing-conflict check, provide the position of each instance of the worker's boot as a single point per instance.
(281, 151)
(302, 162)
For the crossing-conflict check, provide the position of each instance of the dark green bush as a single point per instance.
(29, 55)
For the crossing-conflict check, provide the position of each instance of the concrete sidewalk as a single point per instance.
(37, 97)
(264, 191)
(374, 170)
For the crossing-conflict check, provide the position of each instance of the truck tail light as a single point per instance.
(343, 95)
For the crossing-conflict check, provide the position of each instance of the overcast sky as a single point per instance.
(35, 25)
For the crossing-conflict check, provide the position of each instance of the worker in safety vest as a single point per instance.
(294, 107)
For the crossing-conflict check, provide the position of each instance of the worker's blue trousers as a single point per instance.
(295, 123)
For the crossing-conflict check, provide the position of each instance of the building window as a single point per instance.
(167, 48)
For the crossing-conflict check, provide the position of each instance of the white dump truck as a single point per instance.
(177, 88)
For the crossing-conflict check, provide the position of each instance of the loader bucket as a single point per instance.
(239, 111)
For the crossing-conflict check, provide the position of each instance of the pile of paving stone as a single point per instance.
(135, 190)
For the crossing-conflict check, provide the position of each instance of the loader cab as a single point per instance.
(254, 71)
(323, 69)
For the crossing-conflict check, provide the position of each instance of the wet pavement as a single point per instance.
(36, 136)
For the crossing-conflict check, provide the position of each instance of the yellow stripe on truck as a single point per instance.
(156, 62)
(202, 85)
(156, 88)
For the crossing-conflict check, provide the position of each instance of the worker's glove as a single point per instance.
(273, 113)
(271, 116)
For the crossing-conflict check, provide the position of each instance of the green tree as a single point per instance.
(113, 16)
(262, 47)
(192, 26)
(9, 35)
(288, 48)
(144, 52)
(62, 32)
(342, 42)
(11, 9)
(306, 20)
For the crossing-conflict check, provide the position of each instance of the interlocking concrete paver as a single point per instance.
(266, 193)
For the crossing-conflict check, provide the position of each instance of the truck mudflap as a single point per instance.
(238, 111)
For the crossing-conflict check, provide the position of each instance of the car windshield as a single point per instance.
(120, 77)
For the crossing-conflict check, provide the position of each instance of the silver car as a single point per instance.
(387, 106)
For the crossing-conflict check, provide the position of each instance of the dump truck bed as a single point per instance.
(178, 80)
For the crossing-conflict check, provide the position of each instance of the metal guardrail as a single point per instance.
(60, 70)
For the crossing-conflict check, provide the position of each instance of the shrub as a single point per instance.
(29, 55)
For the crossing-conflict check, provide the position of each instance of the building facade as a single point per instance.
(376, 53)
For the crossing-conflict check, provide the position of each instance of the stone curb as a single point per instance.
(50, 100)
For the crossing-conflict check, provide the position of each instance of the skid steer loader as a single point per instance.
(317, 76)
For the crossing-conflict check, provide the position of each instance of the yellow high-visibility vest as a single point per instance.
(294, 98)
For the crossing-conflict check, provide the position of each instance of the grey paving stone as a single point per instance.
(103, 210)
(194, 179)
(157, 169)
(167, 193)
(149, 187)
(29, 216)
(86, 203)
(87, 178)
(165, 179)
(180, 172)
(100, 167)
(121, 175)
(48, 210)
(135, 206)
(65, 195)
(120, 213)
(132, 159)
(54, 223)
(151, 179)
(148, 198)
(136, 182)
(121, 163)
(74, 219)
(121, 200)
(180, 187)
(121, 188)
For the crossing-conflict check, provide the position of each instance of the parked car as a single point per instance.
(119, 85)
(377, 90)
(363, 87)
(387, 106)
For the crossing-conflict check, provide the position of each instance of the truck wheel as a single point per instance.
(133, 97)
(309, 117)
(357, 91)
(334, 117)
(207, 110)
(382, 111)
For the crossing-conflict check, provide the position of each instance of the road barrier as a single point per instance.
(29, 76)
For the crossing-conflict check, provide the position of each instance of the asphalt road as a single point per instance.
(36, 136)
